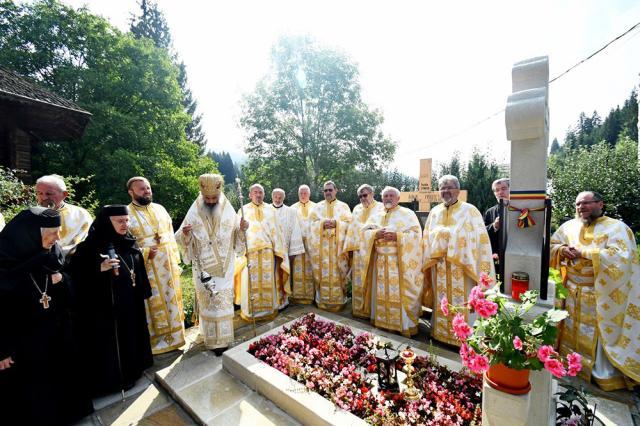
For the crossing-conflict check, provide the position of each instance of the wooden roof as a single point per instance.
(39, 111)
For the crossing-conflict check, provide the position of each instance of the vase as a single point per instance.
(508, 380)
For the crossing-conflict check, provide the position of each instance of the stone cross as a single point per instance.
(527, 123)
(425, 196)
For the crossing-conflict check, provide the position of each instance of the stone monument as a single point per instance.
(527, 123)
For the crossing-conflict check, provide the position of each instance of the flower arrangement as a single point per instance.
(501, 335)
(340, 366)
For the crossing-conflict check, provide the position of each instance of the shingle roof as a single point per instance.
(40, 111)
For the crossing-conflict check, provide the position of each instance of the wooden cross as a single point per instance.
(425, 196)
(44, 300)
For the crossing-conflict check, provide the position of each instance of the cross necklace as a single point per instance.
(131, 270)
(45, 299)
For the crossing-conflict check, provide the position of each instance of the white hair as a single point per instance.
(364, 186)
(499, 182)
(448, 178)
(278, 190)
(53, 180)
(390, 189)
(301, 187)
(256, 185)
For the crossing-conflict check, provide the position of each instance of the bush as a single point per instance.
(188, 295)
(14, 195)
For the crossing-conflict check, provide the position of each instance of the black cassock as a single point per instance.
(115, 332)
(44, 385)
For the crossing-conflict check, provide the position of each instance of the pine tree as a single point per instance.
(152, 24)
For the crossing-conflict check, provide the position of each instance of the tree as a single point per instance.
(610, 170)
(225, 165)
(306, 121)
(131, 88)
(152, 24)
(476, 177)
(555, 147)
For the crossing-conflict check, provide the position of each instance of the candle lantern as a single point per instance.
(387, 375)
(519, 284)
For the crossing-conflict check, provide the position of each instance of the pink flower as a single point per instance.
(517, 343)
(545, 352)
(486, 308)
(555, 367)
(476, 294)
(465, 352)
(478, 364)
(461, 329)
(485, 281)
(444, 305)
(575, 363)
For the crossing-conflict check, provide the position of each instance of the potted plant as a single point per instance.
(503, 343)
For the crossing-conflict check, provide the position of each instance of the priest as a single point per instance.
(265, 275)
(391, 252)
(210, 238)
(367, 209)
(152, 227)
(329, 221)
(598, 258)
(51, 192)
(289, 227)
(303, 289)
(456, 249)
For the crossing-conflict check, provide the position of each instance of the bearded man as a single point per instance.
(152, 227)
(287, 219)
(210, 238)
(456, 250)
(265, 276)
(392, 256)
(598, 258)
(328, 230)
(51, 192)
(303, 289)
(367, 209)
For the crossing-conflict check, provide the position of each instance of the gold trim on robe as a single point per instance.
(456, 250)
(604, 290)
(152, 227)
(330, 263)
(302, 284)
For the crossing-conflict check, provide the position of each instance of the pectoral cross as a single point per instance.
(44, 300)
(157, 238)
(133, 277)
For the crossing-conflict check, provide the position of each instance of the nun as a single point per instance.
(112, 285)
(39, 379)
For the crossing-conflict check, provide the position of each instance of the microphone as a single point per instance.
(111, 252)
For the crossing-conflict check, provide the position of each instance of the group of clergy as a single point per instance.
(121, 275)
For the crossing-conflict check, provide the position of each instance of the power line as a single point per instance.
(489, 117)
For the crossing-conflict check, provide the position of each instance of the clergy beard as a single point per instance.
(595, 213)
(143, 201)
(388, 205)
(210, 208)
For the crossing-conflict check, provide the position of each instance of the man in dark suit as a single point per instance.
(492, 218)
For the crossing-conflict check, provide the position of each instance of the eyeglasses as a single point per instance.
(328, 190)
(364, 195)
(579, 203)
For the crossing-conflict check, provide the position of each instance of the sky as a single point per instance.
(432, 68)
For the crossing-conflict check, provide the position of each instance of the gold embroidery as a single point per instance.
(633, 311)
(617, 296)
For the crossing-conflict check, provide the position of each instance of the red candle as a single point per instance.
(519, 284)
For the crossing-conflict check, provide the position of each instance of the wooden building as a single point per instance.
(30, 114)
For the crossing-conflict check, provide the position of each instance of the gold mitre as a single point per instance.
(210, 184)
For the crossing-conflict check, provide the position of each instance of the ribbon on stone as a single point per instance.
(525, 220)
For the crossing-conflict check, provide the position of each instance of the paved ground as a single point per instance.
(191, 373)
